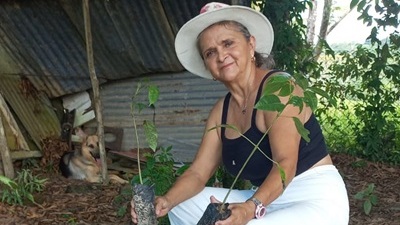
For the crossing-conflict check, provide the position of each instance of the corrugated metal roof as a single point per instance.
(46, 40)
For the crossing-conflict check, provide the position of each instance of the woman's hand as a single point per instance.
(241, 214)
(162, 207)
(133, 212)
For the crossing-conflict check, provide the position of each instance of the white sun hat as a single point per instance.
(186, 39)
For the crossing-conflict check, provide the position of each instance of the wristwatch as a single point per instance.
(260, 208)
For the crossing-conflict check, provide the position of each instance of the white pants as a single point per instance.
(315, 197)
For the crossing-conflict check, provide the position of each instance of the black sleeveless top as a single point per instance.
(235, 151)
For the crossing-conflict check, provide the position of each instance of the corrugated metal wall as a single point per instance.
(181, 112)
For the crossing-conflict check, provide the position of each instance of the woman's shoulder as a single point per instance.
(218, 106)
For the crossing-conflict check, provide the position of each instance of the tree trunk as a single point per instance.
(324, 27)
(312, 17)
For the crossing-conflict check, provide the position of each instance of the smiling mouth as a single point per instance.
(225, 66)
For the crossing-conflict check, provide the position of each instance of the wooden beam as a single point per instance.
(9, 119)
(8, 166)
(17, 155)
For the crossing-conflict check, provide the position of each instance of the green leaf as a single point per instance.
(301, 129)
(310, 99)
(286, 89)
(140, 106)
(370, 189)
(151, 134)
(297, 101)
(29, 196)
(154, 93)
(320, 92)
(277, 82)
(270, 103)
(373, 199)
(282, 174)
(323, 94)
(353, 3)
(301, 81)
(367, 206)
(7, 181)
(359, 195)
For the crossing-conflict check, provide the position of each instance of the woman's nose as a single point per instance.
(222, 55)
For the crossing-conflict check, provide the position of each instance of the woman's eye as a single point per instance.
(228, 43)
(209, 54)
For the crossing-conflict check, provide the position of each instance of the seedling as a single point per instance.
(370, 199)
(150, 130)
(143, 195)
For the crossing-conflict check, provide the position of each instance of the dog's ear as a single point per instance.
(80, 133)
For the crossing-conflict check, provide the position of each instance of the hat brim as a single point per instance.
(186, 39)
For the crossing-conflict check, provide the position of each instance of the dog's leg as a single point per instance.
(117, 180)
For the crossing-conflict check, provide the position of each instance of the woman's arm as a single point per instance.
(284, 140)
(204, 165)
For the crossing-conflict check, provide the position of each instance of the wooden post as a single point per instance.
(5, 153)
(95, 88)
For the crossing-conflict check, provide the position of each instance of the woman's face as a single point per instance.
(226, 52)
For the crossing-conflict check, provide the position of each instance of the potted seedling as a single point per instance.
(143, 192)
(280, 85)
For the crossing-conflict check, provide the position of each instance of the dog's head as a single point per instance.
(90, 143)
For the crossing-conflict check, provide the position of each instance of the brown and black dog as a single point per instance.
(84, 163)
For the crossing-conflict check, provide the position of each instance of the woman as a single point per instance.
(228, 44)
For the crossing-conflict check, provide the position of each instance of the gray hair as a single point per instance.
(262, 60)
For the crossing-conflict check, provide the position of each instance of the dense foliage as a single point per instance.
(364, 82)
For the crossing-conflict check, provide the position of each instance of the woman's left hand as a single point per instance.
(241, 213)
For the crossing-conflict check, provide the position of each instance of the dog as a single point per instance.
(84, 163)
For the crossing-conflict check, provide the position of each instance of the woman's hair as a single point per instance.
(262, 60)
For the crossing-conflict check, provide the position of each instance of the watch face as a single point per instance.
(260, 211)
(260, 208)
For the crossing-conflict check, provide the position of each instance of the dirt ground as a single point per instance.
(75, 202)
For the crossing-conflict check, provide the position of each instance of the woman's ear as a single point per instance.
(252, 43)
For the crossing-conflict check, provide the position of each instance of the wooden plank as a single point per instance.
(17, 155)
(8, 166)
(9, 119)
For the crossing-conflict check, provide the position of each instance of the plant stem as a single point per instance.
(251, 154)
(138, 148)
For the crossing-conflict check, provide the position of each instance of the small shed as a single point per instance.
(44, 62)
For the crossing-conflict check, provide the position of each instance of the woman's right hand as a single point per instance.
(133, 212)
(162, 207)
